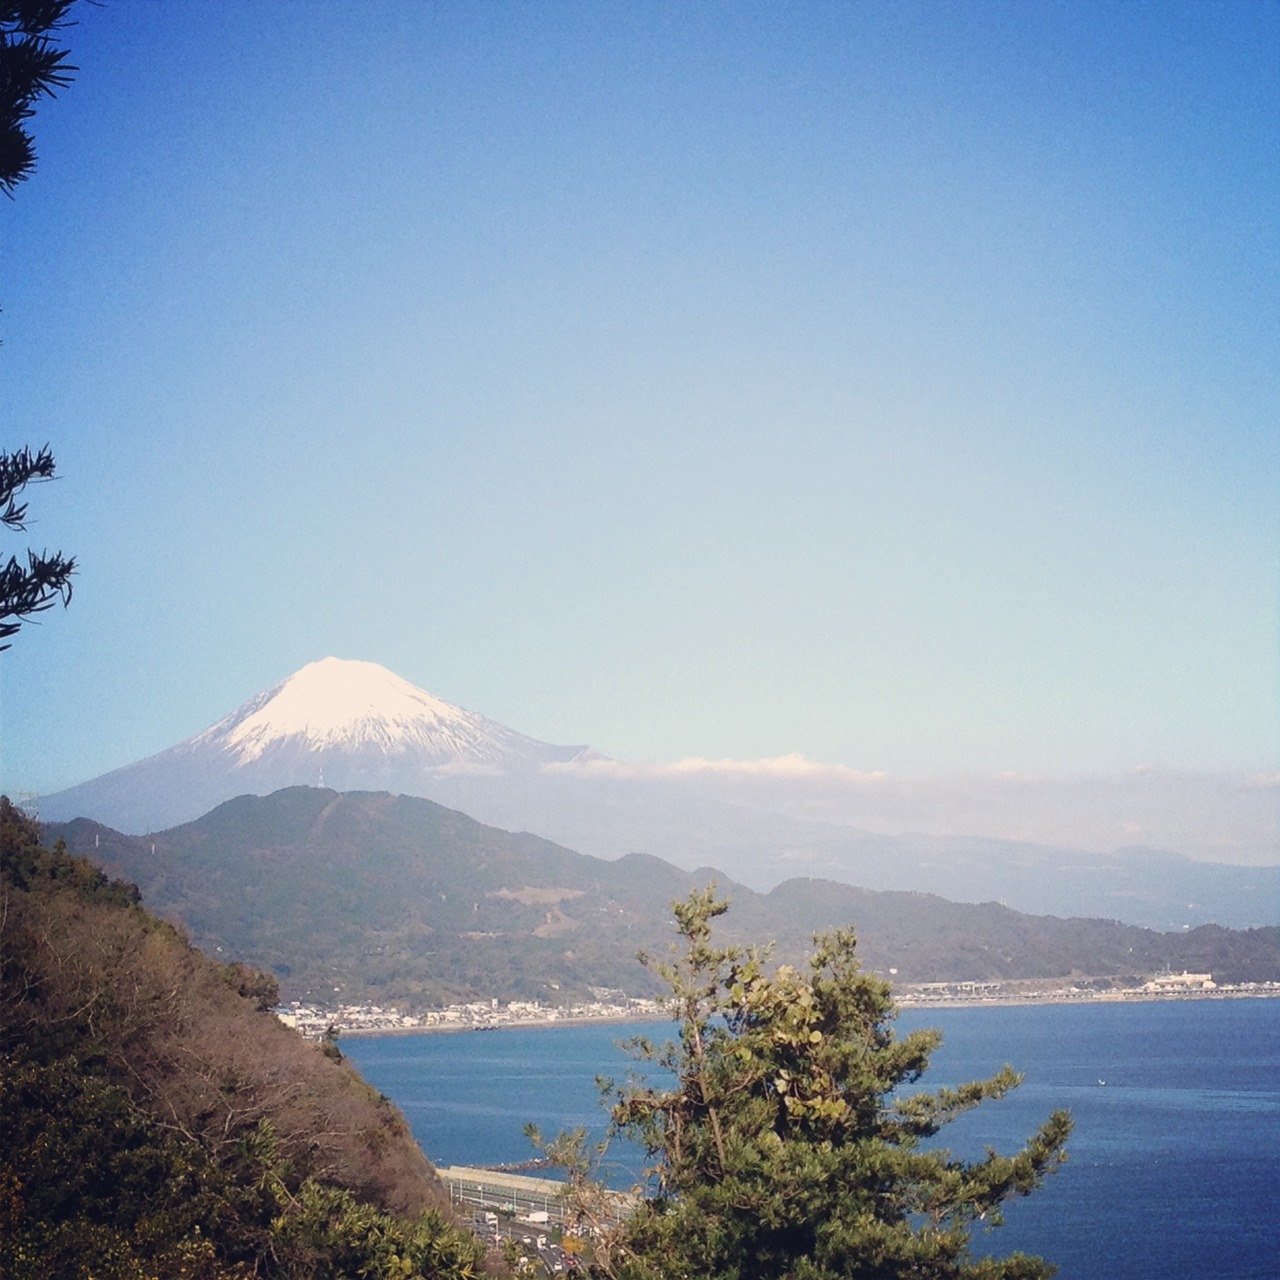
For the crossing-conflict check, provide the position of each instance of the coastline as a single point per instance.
(521, 1024)
(904, 1002)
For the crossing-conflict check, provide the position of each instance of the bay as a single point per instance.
(1174, 1166)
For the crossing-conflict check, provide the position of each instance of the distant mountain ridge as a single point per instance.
(388, 897)
(355, 726)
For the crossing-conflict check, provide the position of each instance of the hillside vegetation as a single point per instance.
(397, 899)
(157, 1120)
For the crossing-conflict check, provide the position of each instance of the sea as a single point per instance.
(1174, 1163)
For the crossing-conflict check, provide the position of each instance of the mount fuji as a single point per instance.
(355, 726)
(342, 724)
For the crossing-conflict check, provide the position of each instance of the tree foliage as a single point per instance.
(45, 577)
(788, 1143)
(32, 66)
(94, 1188)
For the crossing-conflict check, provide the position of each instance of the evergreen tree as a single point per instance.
(36, 585)
(32, 66)
(786, 1145)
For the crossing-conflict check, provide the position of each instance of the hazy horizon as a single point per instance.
(336, 705)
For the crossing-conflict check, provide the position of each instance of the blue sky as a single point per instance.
(891, 384)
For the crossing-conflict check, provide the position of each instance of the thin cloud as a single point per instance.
(1265, 781)
(788, 766)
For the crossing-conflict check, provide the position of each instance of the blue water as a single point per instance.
(1174, 1170)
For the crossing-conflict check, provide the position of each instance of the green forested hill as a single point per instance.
(397, 899)
(392, 897)
(157, 1120)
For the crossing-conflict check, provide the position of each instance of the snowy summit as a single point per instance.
(343, 703)
(354, 726)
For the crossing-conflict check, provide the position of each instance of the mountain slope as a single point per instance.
(349, 724)
(396, 898)
(157, 1119)
(362, 707)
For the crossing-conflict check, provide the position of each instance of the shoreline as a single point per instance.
(529, 1024)
(903, 1004)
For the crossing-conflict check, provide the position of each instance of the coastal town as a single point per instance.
(315, 1021)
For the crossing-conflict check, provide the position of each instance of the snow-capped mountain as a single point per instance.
(338, 723)
(339, 705)
(355, 726)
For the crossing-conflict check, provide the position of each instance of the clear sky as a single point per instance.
(893, 384)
